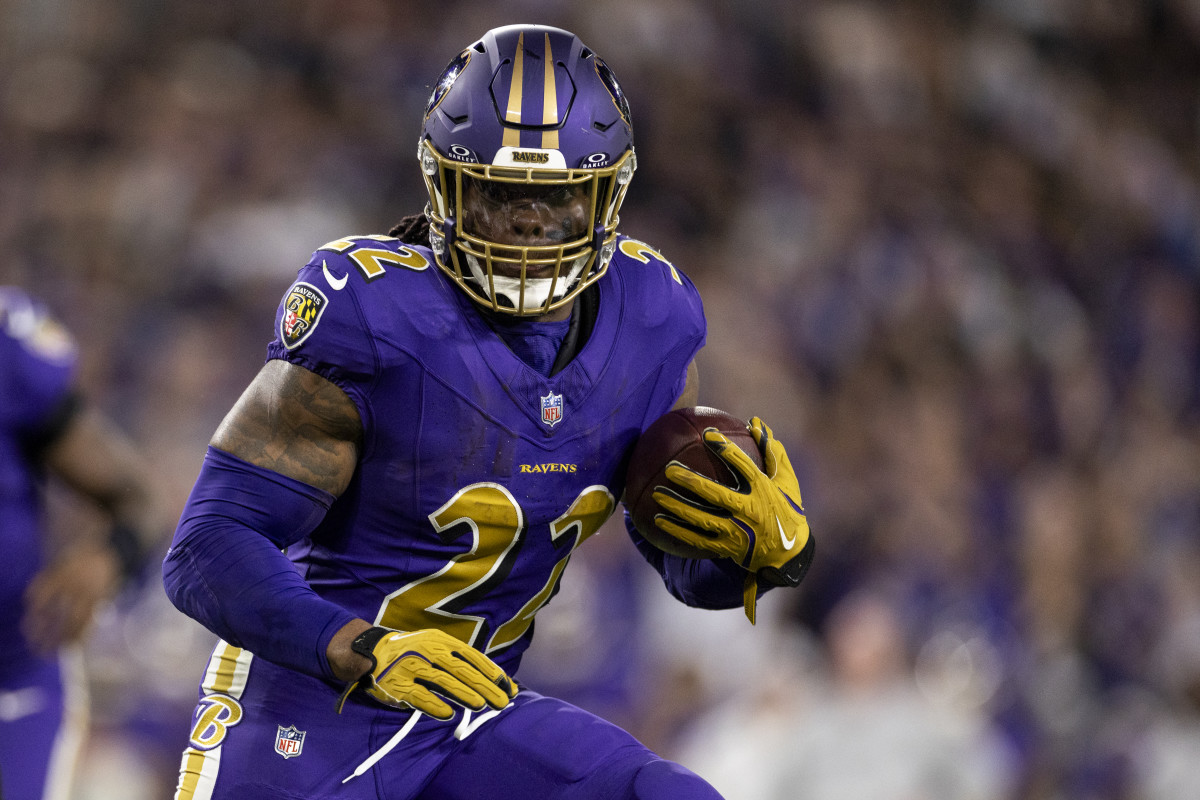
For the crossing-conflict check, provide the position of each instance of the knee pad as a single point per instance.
(666, 780)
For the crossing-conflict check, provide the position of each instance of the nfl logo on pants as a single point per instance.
(289, 741)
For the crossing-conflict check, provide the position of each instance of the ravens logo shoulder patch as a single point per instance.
(302, 309)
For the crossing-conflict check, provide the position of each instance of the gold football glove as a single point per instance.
(417, 669)
(759, 523)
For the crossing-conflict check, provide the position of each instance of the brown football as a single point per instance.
(678, 436)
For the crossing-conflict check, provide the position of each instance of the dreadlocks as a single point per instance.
(413, 229)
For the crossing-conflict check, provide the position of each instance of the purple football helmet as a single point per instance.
(526, 111)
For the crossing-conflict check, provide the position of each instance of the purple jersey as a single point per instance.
(477, 479)
(478, 476)
(37, 370)
(37, 367)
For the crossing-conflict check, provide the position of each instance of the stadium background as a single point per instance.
(949, 250)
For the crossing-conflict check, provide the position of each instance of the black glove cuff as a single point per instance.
(791, 573)
(364, 643)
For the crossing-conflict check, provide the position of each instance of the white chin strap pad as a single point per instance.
(537, 290)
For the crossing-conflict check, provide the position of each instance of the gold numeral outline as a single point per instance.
(496, 524)
(371, 260)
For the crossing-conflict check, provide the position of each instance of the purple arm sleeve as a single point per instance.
(700, 583)
(225, 568)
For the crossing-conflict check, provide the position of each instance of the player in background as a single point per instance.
(444, 416)
(51, 588)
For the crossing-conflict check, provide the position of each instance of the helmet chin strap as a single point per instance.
(537, 290)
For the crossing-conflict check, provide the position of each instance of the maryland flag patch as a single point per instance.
(302, 309)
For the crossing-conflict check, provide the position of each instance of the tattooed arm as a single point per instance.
(277, 462)
(296, 423)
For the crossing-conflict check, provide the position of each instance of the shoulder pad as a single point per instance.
(30, 323)
(369, 256)
(640, 251)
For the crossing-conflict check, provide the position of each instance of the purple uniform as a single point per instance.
(478, 476)
(37, 369)
(477, 479)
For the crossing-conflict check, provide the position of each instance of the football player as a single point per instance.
(51, 592)
(444, 416)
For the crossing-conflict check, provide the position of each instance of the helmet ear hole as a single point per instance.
(428, 162)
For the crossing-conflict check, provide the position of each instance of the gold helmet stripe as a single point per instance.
(549, 102)
(512, 115)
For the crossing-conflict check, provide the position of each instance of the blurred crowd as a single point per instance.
(950, 252)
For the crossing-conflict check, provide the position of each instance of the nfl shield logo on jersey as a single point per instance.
(552, 409)
(289, 741)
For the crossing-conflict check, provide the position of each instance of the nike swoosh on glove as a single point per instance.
(759, 523)
(424, 669)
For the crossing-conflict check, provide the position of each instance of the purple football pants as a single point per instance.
(266, 732)
(41, 721)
